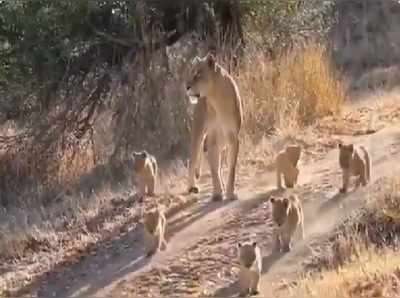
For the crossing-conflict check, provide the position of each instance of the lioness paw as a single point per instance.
(232, 197)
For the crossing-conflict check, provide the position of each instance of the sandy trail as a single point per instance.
(202, 237)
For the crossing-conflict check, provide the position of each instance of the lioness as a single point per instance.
(218, 115)
(145, 167)
(286, 165)
(354, 161)
(287, 213)
(154, 223)
(250, 268)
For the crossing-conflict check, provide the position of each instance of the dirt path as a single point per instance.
(203, 237)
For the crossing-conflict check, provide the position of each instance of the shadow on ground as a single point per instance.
(232, 289)
(86, 272)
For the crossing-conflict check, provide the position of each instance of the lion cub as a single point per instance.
(250, 268)
(286, 165)
(287, 213)
(145, 166)
(154, 223)
(354, 161)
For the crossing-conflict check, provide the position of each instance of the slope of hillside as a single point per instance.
(201, 258)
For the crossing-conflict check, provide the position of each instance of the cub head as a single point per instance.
(280, 209)
(201, 78)
(345, 154)
(291, 177)
(139, 160)
(247, 253)
(150, 220)
(293, 153)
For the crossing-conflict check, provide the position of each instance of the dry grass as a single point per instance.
(361, 260)
(373, 274)
(296, 89)
(42, 200)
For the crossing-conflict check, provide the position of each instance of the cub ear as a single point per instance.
(239, 245)
(196, 60)
(272, 200)
(340, 145)
(254, 244)
(211, 61)
(143, 154)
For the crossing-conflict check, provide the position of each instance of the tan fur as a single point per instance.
(145, 166)
(354, 161)
(154, 223)
(287, 213)
(286, 165)
(250, 263)
(218, 115)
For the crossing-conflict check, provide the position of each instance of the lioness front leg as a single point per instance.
(194, 162)
(278, 242)
(196, 143)
(278, 179)
(346, 178)
(214, 159)
(142, 187)
(151, 188)
(287, 240)
(254, 284)
(233, 152)
(363, 177)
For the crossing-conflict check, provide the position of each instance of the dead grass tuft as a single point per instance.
(361, 259)
(290, 92)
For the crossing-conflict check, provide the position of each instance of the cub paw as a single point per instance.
(193, 189)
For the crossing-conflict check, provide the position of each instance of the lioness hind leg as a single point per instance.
(302, 233)
(214, 159)
(233, 152)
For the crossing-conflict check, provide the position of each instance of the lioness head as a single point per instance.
(201, 78)
(139, 160)
(345, 154)
(247, 253)
(280, 210)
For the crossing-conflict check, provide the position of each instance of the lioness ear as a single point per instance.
(340, 145)
(272, 200)
(254, 244)
(239, 245)
(211, 61)
(196, 60)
